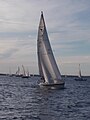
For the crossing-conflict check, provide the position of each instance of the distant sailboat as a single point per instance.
(48, 68)
(18, 72)
(10, 74)
(79, 72)
(24, 75)
(79, 76)
(28, 73)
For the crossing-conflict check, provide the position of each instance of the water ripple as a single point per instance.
(23, 99)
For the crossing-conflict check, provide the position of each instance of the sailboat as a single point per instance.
(10, 74)
(48, 68)
(80, 76)
(18, 72)
(24, 75)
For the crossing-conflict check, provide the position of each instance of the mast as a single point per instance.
(79, 71)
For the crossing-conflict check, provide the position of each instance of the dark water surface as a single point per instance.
(23, 99)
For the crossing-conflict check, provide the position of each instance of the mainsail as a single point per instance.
(48, 68)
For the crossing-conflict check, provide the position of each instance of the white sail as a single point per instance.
(18, 71)
(48, 68)
(24, 73)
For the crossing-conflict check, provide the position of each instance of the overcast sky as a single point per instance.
(68, 25)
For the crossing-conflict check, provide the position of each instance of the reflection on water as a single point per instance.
(23, 99)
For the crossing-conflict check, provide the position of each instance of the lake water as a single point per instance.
(23, 99)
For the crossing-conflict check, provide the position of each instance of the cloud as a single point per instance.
(7, 21)
(17, 16)
(8, 54)
(8, 49)
(69, 64)
(74, 59)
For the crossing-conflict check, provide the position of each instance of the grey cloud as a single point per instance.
(19, 19)
(8, 54)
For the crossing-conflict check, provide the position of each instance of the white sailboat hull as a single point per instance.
(53, 85)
